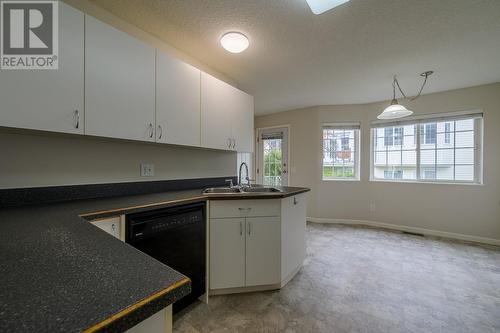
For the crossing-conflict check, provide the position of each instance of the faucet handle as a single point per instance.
(248, 179)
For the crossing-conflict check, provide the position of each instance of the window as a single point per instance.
(393, 136)
(345, 143)
(340, 152)
(441, 149)
(393, 174)
(388, 138)
(447, 133)
(429, 133)
(397, 154)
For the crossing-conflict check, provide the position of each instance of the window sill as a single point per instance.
(341, 180)
(425, 182)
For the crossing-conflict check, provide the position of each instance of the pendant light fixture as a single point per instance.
(396, 110)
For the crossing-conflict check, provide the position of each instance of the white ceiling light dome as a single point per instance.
(394, 111)
(234, 42)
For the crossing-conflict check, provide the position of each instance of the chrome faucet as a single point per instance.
(240, 183)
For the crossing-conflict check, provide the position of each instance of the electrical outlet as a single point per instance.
(147, 170)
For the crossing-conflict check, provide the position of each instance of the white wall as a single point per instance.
(463, 209)
(38, 159)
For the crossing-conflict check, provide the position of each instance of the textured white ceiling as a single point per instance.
(345, 56)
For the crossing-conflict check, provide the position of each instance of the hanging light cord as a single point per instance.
(396, 83)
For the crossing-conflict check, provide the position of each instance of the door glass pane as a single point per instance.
(272, 162)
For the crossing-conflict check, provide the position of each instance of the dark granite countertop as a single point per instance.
(59, 273)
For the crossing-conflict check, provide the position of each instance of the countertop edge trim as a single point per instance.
(135, 306)
(124, 209)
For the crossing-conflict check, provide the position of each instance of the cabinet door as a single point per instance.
(242, 121)
(177, 102)
(111, 225)
(293, 234)
(215, 113)
(227, 253)
(49, 100)
(119, 84)
(262, 250)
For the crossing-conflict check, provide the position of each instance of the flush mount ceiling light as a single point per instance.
(321, 6)
(396, 110)
(234, 42)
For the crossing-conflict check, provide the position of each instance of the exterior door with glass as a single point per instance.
(272, 156)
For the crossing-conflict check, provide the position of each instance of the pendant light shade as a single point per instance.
(394, 111)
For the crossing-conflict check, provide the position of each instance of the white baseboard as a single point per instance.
(424, 231)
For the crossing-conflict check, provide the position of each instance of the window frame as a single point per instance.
(357, 146)
(476, 115)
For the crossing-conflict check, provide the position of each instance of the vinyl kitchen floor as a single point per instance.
(360, 279)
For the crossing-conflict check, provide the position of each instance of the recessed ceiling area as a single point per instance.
(347, 55)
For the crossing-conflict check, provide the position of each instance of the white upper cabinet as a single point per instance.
(49, 100)
(215, 113)
(242, 129)
(119, 84)
(226, 116)
(177, 101)
(111, 84)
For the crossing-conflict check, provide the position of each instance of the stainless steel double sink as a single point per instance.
(239, 190)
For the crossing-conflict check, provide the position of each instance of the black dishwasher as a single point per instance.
(175, 236)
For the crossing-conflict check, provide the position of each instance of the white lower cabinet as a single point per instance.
(293, 251)
(227, 241)
(112, 226)
(160, 322)
(262, 251)
(256, 243)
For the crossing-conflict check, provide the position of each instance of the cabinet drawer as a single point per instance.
(243, 208)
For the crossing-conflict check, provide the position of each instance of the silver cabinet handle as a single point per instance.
(77, 119)
(151, 130)
(234, 143)
(161, 132)
(249, 228)
(241, 228)
(113, 227)
(229, 143)
(295, 201)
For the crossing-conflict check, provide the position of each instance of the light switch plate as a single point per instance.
(147, 170)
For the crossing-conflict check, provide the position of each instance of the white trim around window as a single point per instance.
(340, 158)
(438, 149)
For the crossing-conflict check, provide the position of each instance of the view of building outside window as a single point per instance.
(273, 164)
(339, 153)
(446, 151)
